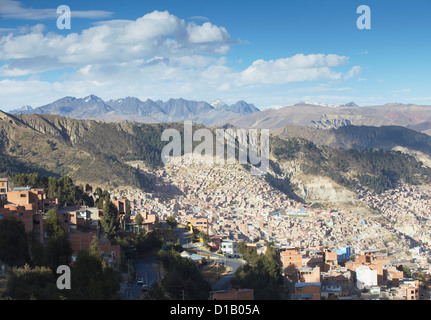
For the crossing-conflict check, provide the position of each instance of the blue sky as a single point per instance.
(268, 53)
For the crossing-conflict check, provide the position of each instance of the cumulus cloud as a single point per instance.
(155, 34)
(207, 33)
(156, 56)
(298, 68)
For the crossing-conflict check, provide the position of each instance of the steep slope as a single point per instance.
(361, 137)
(324, 174)
(60, 146)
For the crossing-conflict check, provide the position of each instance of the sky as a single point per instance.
(269, 53)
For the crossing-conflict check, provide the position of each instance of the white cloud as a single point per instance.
(353, 72)
(298, 68)
(155, 34)
(206, 33)
(157, 56)
(11, 9)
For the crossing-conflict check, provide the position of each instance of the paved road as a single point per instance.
(225, 282)
(143, 270)
(234, 264)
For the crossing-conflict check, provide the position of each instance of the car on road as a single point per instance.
(140, 281)
(144, 287)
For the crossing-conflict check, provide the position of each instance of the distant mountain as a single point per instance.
(218, 104)
(350, 104)
(416, 117)
(133, 109)
(361, 137)
(24, 109)
(328, 105)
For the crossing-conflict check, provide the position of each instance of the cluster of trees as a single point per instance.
(378, 169)
(9, 166)
(285, 149)
(139, 244)
(261, 273)
(63, 188)
(183, 279)
(151, 143)
(92, 278)
(32, 266)
(383, 170)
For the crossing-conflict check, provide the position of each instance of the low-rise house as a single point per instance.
(199, 259)
(228, 247)
(307, 291)
(309, 274)
(330, 290)
(365, 277)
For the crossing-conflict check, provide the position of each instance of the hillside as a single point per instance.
(87, 151)
(99, 153)
(325, 174)
(361, 137)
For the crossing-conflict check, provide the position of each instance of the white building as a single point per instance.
(228, 247)
(365, 278)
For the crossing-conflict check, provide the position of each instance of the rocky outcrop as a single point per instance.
(321, 189)
(67, 130)
(331, 121)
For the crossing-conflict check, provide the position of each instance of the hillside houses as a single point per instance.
(30, 206)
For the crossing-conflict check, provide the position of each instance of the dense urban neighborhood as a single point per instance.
(221, 218)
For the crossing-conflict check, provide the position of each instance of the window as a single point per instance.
(22, 195)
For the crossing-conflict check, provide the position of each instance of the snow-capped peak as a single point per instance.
(218, 104)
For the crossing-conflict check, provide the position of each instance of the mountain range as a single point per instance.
(318, 116)
(241, 114)
(149, 111)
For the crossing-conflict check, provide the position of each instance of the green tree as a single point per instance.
(52, 187)
(171, 221)
(92, 279)
(58, 249)
(182, 277)
(98, 192)
(88, 188)
(261, 273)
(25, 283)
(139, 220)
(407, 272)
(14, 246)
(110, 220)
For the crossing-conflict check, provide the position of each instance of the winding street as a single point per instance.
(224, 283)
(144, 270)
